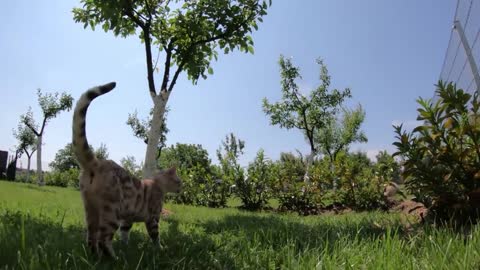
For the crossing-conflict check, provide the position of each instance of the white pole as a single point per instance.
(463, 39)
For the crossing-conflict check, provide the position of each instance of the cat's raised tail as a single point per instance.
(85, 156)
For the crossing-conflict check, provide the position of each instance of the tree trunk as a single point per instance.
(309, 162)
(160, 102)
(332, 171)
(28, 169)
(39, 161)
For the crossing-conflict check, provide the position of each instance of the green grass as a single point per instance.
(42, 228)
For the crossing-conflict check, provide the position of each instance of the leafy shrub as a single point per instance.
(358, 186)
(66, 178)
(21, 176)
(387, 168)
(256, 188)
(292, 192)
(201, 182)
(202, 187)
(442, 156)
(214, 191)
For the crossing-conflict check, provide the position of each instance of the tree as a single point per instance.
(339, 133)
(51, 105)
(185, 157)
(187, 32)
(65, 158)
(26, 144)
(102, 152)
(140, 129)
(228, 155)
(308, 114)
(129, 163)
(256, 189)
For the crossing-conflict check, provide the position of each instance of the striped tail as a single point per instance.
(85, 156)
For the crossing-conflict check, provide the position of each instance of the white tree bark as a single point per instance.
(28, 169)
(160, 102)
(309, 162)
(39, 161)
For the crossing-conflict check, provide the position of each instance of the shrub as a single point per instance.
(442, 156)
(256, 189)
(66, 178)
(292, 192)
(202, 187)
(387, 168)
(358, 186)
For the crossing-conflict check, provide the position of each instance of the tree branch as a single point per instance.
(166, 72)
(129, 13)
(225, 34)
(175, 76)
(43, 125)
(32, 128)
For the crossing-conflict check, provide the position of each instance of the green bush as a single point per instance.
(358, 186)
(66, 178)
(442, 156)
(202, 187)
(387, 168)
(256, 189)
(292, 193)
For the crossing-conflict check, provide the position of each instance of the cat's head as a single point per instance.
(168, 180)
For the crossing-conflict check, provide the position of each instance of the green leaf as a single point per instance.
(210, 71)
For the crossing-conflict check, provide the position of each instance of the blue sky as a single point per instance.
(388, 53)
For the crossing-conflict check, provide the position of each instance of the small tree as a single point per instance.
(307, 114)
(65, 158)
(26, 144)
(129, 163)
(185, 156)
(140, 129)
(228, 154)
(102, 152)
(338, 134)
(256, 189)
(187, 32)
(51, 105)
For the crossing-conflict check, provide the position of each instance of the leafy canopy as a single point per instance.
(338, 134)
(188, 32)
(65, 158)
(27, 142)
(296, 110)
(51, 105)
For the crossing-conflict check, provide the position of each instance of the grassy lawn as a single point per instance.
(42, 228)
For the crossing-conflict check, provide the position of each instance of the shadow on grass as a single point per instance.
(40, 243)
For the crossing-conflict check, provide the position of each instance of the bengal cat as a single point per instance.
(112, 197)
